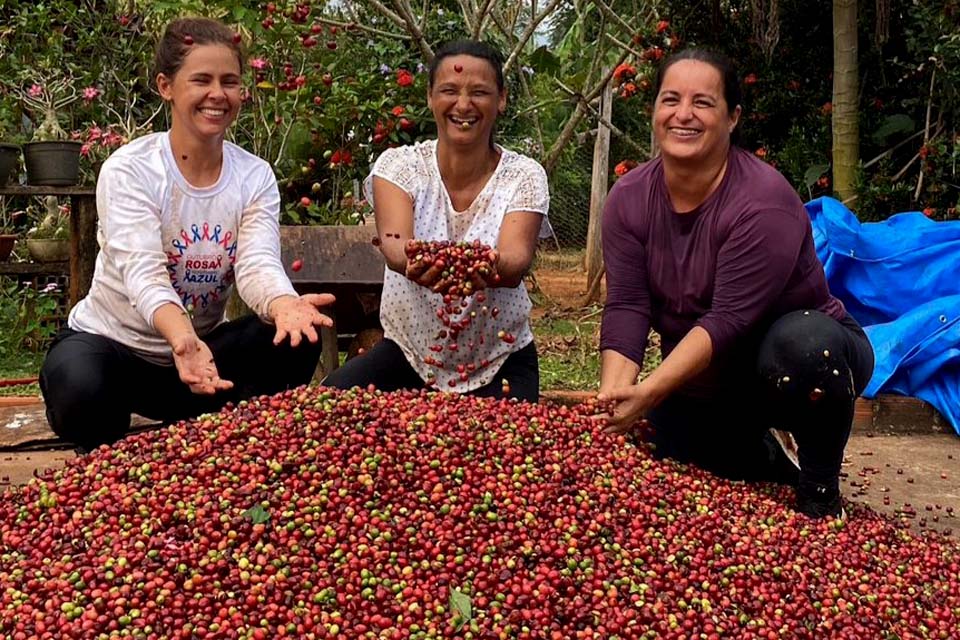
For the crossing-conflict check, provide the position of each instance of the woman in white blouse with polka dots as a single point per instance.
(459, 187)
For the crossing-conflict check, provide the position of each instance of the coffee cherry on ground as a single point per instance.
(318, 513)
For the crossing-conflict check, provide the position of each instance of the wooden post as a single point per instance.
(83, 244)
(598, 193)
(330, 348)
(846, 96)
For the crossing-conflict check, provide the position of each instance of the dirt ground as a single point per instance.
(559, 282)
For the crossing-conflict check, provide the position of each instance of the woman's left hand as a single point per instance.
(492, 277)
(631, 404)
(297, 316)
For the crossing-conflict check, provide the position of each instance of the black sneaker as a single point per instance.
(818, 501)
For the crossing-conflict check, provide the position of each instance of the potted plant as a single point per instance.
(49, 239)
(51, 157)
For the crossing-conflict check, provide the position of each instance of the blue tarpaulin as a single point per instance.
(900, 279)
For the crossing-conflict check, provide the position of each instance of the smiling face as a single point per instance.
(204, 93)
(691, 118)
(465, 100)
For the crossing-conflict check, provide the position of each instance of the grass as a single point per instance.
(568, 343)
(562, 260)
(20, 365)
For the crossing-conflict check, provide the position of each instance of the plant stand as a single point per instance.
(83, 235)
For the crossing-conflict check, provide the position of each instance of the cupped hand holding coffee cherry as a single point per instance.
(457, 269)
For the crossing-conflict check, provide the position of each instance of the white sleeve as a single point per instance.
(258, 269)
(130, 222)
(532, 193)
(399, 166)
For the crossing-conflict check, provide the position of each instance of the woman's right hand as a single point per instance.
(425, 274)
(196, 367)
(431, 276)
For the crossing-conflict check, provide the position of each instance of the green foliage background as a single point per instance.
(107, 44)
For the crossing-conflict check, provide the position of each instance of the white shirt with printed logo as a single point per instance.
(163, 240)
(408, 310)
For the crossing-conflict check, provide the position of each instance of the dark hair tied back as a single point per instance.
(474, 48)
(183, 34)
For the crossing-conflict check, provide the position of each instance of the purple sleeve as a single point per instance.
(753, 266)
(626, 312)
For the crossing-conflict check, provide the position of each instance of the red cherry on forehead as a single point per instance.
(458, 68)
(188, 40)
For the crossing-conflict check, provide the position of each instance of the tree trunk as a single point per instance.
(598, 188)
(846, 132)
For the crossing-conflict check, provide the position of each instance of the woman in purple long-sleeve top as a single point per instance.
(712, 248)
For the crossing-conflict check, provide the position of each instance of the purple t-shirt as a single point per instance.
(732, 266)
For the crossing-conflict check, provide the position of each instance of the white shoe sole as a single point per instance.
(788, 444)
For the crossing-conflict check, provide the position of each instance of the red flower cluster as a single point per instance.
(97, 139)
(404, 78)
(653, 54)
(624, 71)
(341, 156)
(382, 129)
(750, 79)
(623, 167)
(628, 90)
(662, 26)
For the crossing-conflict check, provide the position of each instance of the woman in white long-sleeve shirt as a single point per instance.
(183, 215)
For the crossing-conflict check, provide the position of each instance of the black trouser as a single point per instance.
(91, 384)
(804, 378)
(386, 368)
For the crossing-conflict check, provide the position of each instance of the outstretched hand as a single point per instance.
(297, 317)
(196, 367)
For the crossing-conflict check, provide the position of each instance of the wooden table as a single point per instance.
(83, 236)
